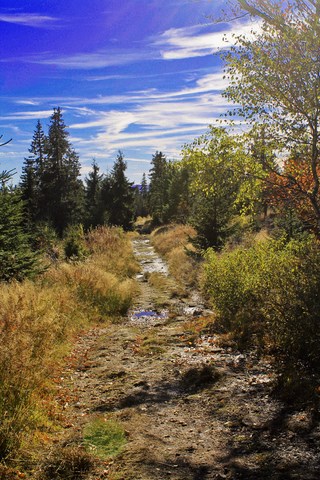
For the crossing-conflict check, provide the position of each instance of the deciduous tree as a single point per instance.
(275, 78)
(216, 162)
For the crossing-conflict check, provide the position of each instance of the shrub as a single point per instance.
(74, 243)
(270, 292)
(17, 260)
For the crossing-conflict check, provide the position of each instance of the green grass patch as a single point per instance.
(104, 438)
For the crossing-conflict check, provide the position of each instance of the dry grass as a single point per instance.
(173, 242)
(112, 251)
(34, 322)
(169, 237)
(69, 462)
(38, 320)
(102, 293)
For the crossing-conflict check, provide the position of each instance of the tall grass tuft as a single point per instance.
(111, 250)
(33, 322)
(174, 243)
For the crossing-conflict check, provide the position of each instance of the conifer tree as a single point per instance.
(141, 198)
(17, 261)
(32, 170)
(61, 186)
(159, 187)
(179, 196)
(105, 200)
(121, 208)
(93, 184)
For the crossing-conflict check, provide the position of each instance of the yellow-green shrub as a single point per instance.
(270, 291)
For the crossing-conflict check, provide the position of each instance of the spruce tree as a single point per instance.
(17, 261)
(93, 184)
(105, 200)
(141, 199)
(179, 196)
(62, 188)
(144, 193)
(159, 187)
(121, 208)
(32, 170)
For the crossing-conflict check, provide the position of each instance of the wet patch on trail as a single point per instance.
(149, 260)
(148, 317)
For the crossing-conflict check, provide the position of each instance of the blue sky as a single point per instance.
(134, 75)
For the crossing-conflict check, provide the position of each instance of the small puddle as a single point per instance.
(148, 316)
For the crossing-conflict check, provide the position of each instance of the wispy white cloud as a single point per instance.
(29, 19)
(38, 114)
(27, 102)
(153, 125)
(173, 44)
(91, 61)
(128, 76)
(200, 40)
(146, 120)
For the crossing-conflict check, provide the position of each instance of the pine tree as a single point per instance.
(61, 186)
(93, 184)
(17, 261)
(159, 187)
(121, 208)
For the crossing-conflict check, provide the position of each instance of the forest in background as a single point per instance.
(252, 198)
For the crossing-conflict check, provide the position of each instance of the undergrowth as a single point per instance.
(267, 294)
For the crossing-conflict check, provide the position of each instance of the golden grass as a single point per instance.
(111, 250)
(33, 322)
(166, 238)
(173, 242)
(101, 293)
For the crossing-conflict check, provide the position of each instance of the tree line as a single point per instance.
(223, 176)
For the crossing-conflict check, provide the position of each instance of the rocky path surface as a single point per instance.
(192, 408)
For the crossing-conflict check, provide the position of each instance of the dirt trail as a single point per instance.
(191, 408)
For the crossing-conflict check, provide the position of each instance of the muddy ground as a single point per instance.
(192, 408)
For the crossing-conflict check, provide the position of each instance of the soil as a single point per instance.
(192, 407)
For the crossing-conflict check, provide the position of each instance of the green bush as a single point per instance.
(269, 293)
(74, 243)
